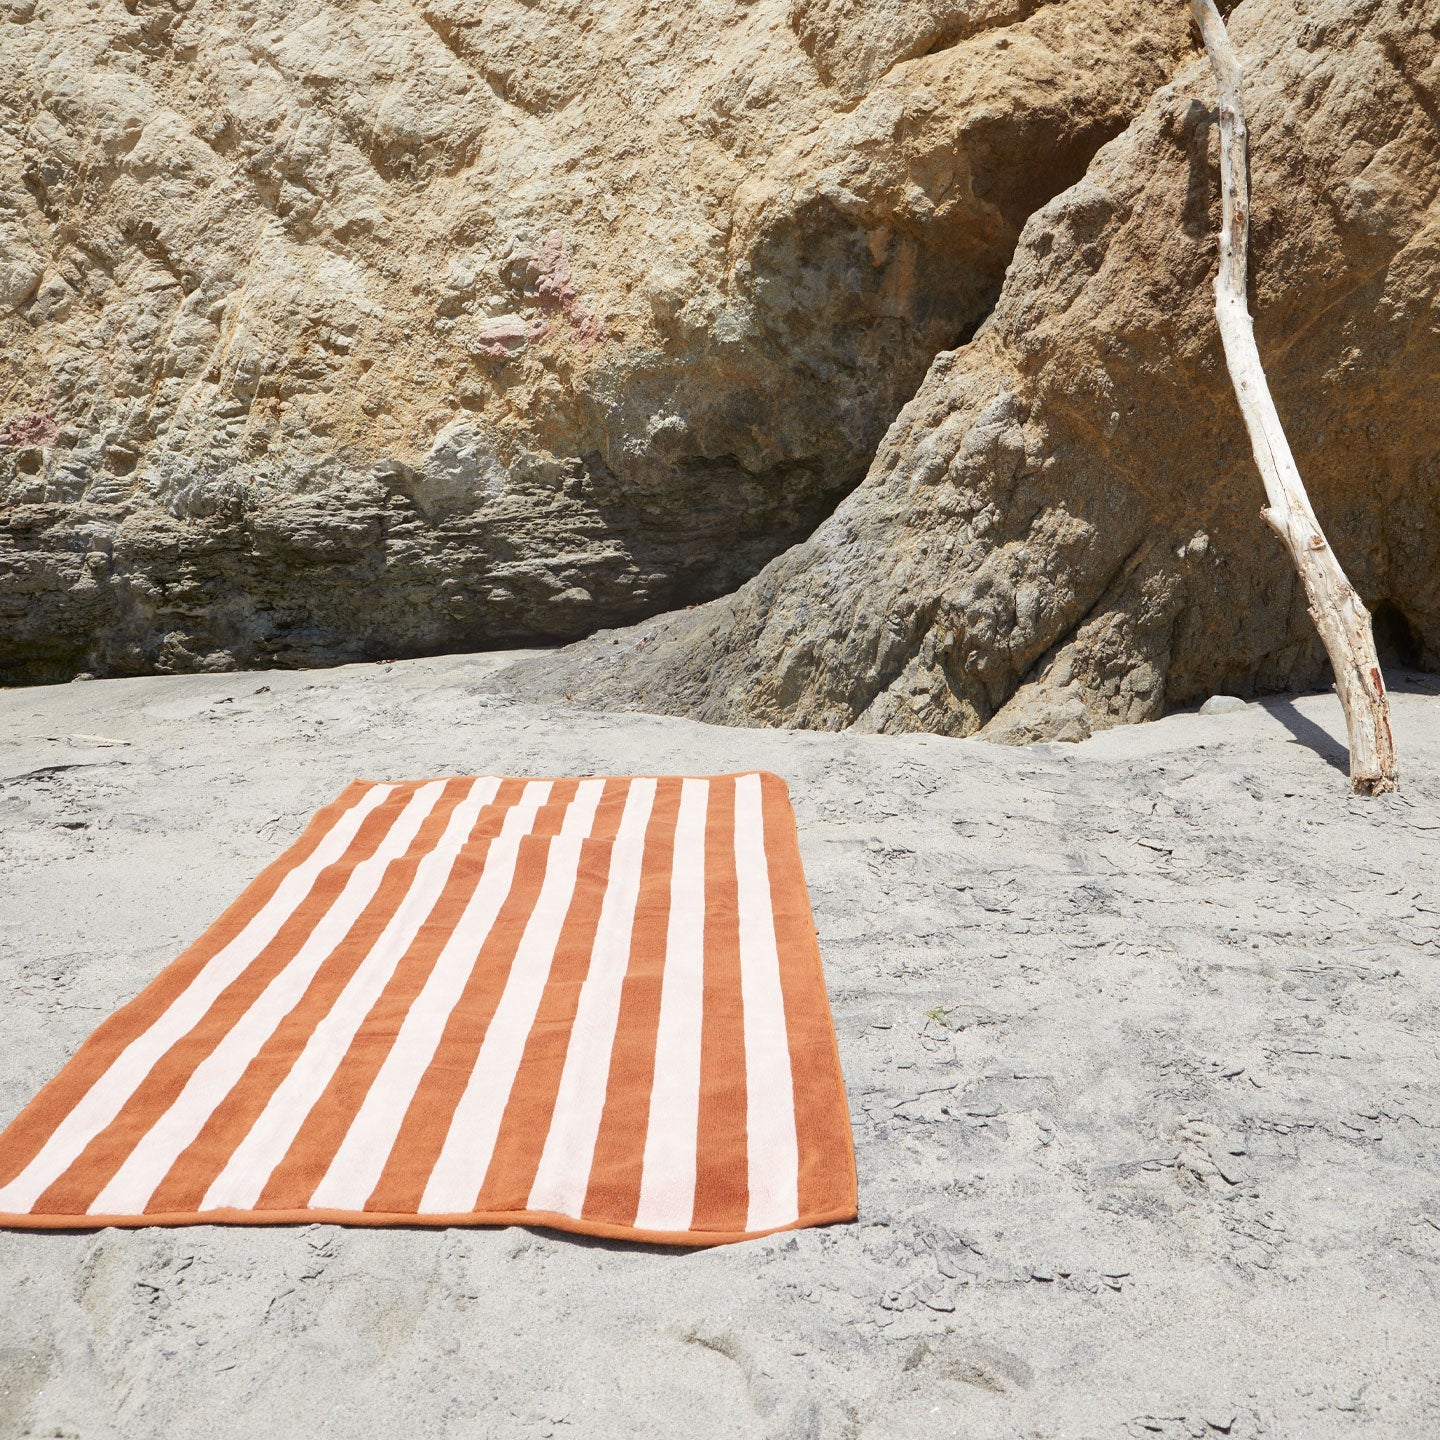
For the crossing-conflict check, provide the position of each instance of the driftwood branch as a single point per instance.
(1339, 615)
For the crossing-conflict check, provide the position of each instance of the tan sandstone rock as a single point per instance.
(1061, 531)
(330, 331)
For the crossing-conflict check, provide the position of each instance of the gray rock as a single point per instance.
(1060, 532)
(1222, 705)
(566, 321)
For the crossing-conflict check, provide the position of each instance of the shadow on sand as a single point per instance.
(1315, 737)
(1307, 733)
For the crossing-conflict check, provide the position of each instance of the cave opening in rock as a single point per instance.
(1396, 642)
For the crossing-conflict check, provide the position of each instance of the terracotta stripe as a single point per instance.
(198, 1165)
(74, 1191)
(721, 1190)
(29, 1130)
(427, 1122)
(614, 1189)
(532, 1102)
(827, 1157)
(296, 1176)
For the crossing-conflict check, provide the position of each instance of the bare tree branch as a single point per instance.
(1339, 615)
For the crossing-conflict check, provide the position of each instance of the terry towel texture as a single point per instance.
(595, 1004)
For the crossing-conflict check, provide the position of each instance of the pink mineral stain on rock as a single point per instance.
(35, 426)
(506, 335)
(547, 277)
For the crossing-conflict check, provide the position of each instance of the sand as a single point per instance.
(1139, 1037)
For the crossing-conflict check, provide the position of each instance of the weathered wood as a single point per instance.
(1339, 615)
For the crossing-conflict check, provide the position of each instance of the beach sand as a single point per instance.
(1140, 1039)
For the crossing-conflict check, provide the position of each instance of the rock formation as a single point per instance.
(330, 332)
(1061, 531)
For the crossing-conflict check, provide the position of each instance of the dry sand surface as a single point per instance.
(1139, 1035)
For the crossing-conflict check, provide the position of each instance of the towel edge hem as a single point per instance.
(692, 1239)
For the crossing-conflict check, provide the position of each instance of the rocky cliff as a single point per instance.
(1061, 531)
(331, 331)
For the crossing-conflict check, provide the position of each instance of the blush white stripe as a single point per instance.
(130, 1188)
(563, 1175)
(253, 1161)
(356, 1167)
(771, 1144)
(667, 1180)
(108, 1096)
(469, 1144)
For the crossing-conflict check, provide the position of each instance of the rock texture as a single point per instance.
(330, 332)
(1061, 531)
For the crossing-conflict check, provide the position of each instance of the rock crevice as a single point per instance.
(1061, 530)
(563, 315)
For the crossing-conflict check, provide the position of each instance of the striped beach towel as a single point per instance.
(594, 1004)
